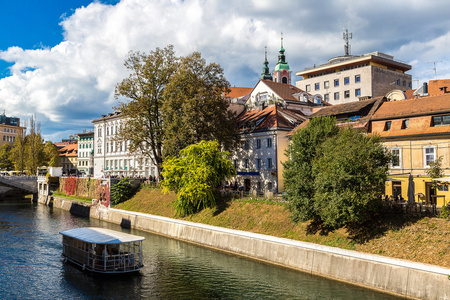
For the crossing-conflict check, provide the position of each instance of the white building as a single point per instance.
(350, 78)
(272, 110)
(112, 157)
(86, 153)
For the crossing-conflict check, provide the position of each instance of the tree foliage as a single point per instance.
(195, 174)
(298, 174)
(34, 149)
(334, 177)
(51, 156)
(18, 152)
(5, 157)
(435, 171)
(351, 171)
(194, 107)
(121, 191)
(143, 90)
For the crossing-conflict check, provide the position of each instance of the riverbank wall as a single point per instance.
(400, 277)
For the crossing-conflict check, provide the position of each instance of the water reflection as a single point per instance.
(31, 267)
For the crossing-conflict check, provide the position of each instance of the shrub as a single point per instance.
(121, 191)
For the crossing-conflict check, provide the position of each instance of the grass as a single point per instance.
(80, 199)
(424, 240)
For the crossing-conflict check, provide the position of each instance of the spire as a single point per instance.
(266, 73)
(281, 56)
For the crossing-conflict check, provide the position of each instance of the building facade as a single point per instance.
(350, 78)
(112, 156)
(86, 153)
(272, 110)
(69, 159)
(416, 132)
(10, 129)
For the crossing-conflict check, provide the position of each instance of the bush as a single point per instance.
(121, 191)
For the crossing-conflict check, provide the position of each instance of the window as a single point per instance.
(258, 144)
(326, 97)
(357, 92)
(258, 163)
(441, 120)
(99, 132)
(443, 188)
(357, 78)
(346, 80)
(396, 158)
(99, 149)
(387, 126)
(397, 82)
(107, 130)
(346, 94)
(404, 83)
(326, 84)
(308, 88)
(269, 143)
(336, 96)
(316, 86)
(405, 123)
(246, 163)
(125, 164)
(269, 163)
(410, 85)
(429, 155)
(336, 82)
(269, 186)
(235, 164)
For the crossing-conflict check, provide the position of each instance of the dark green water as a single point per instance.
(31, 267)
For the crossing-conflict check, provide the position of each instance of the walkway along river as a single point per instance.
(31, 267)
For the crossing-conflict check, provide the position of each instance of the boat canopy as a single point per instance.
(101, 235)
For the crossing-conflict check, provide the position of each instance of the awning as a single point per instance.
(101, 235)
(441, 179)
(392, 179)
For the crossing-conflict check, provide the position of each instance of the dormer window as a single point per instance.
(405, 124)
(387, 126)
(441, 120)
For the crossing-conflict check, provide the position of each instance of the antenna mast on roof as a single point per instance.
(346, 36)
(434, 68)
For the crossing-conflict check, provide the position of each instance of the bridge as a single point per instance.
(26, 184)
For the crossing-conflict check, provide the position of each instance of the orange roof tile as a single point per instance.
(435, 85)
(284, 90)
(413, 107)
(237, 92)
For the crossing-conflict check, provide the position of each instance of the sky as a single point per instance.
(60, 60)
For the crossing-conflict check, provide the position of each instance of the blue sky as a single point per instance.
(60, 60)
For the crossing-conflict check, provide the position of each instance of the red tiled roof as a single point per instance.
(284, 90)
(237, 92)
(270, 117)
(435, 85)
(70, 150)
(413, 107)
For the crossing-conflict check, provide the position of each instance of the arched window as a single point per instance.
(284, 80)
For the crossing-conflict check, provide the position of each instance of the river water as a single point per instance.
(31, 267)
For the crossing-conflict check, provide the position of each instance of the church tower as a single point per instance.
(266, 73)
(282, 72)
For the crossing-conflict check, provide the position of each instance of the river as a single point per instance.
(31, 267)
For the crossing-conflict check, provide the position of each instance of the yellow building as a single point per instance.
(10, 129)
(416, 132)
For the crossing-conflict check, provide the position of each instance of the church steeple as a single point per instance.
(282, 72)
(266, 73)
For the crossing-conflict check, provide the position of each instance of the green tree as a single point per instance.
(194, 107)
(51, 155)
(435, 171)
(121, 191)
(350, 175)
(5, 157)
(34, 148)
(195, 174)
(143, 90)
(18, 152)
(298, 175)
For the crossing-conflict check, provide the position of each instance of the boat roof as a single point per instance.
(101, 235)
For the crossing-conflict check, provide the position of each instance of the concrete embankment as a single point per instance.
(404, 278)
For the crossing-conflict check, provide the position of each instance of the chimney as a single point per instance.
(443, 89)
(425, 88)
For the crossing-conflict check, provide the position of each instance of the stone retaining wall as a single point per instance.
(404, 278)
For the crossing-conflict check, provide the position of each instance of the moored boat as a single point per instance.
(103, 250)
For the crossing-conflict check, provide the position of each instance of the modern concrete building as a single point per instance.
(350, 78)
(9, 129)
(86, 153)
(112, 156)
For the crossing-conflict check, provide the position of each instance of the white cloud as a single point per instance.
(73, 82)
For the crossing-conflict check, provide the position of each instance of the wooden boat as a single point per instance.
(103, 250)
